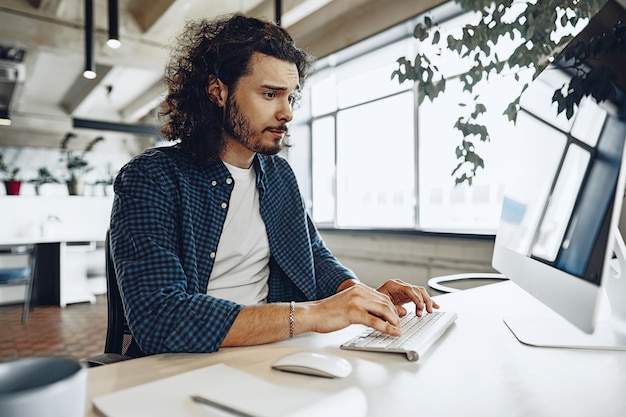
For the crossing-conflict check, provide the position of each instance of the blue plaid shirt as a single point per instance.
(166, 222)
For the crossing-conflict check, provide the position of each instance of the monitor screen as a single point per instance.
(561, 208)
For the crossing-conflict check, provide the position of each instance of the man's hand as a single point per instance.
(356, 303)
(401, 293)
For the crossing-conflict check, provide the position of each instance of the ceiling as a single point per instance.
(49, 94)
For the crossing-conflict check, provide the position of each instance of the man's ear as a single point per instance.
(217, 90)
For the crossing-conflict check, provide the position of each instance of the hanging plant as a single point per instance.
(530, 27)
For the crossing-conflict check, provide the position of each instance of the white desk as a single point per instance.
(61, 226)
(477, 369)
(61, 271)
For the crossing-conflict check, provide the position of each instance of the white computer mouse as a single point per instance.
(314, 363)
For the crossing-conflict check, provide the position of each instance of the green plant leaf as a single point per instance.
(533, 50)
(436, 37)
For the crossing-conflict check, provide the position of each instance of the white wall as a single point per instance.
(376, 257)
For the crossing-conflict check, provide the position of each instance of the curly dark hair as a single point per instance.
(221, 47)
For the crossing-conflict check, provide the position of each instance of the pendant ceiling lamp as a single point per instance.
(114, 36)
(278, 4)
(90, 65)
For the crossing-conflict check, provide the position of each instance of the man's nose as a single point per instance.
(285, 112)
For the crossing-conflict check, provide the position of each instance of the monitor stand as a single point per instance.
(559, 333)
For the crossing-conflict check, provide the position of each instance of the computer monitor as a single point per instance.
(558, 237)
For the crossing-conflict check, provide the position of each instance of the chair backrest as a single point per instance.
(119, 339)
(19, 274)
(22, 274)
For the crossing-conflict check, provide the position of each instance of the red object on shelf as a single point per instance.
(12, 187)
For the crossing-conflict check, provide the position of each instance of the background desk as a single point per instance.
(64, 228)
(477, 369)
(61, 270)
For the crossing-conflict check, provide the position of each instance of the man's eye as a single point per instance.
(270, 94)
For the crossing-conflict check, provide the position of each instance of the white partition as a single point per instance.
(53, 218)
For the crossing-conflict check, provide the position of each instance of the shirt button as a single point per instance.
(224, 205)
(212, 255)
(213, 183)
(229, 180)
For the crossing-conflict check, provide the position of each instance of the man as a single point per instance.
(210, 238)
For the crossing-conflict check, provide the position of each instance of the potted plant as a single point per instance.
(44, 176)
(76, 163)
(11, 183)
(107, 180)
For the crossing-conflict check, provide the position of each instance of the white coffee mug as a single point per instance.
(43, 387)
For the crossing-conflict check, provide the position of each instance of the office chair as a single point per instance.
(21, 274)
(119, 344)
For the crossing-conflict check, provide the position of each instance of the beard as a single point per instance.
(238, 127)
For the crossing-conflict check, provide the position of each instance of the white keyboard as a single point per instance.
(418, 335)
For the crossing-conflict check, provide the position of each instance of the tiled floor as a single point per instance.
(77, 330)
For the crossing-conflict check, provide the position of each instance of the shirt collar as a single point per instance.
(260, 167)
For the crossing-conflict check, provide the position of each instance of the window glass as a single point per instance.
(369, 77)
(299, 159)
(323, 93)
(375, 169)
(323, 166)
(444, 205)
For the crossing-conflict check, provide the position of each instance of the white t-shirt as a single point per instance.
(241, 266)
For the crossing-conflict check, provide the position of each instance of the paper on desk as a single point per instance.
(171, 397)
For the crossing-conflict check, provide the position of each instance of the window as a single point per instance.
(375, 164)
(377, 161)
